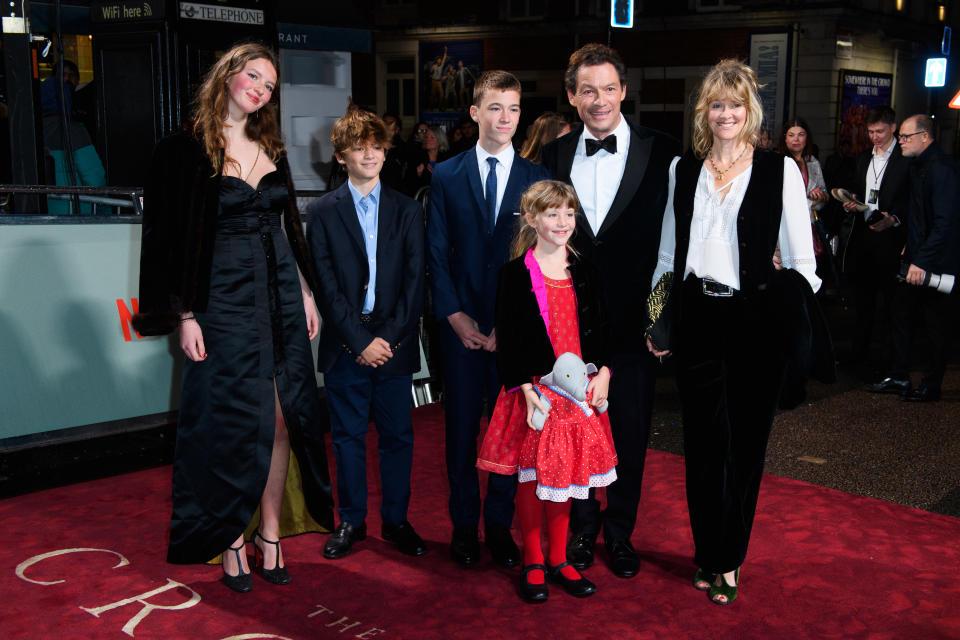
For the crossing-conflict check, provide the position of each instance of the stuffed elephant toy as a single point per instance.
(571, 376)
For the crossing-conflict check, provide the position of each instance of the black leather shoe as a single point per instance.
(405, 538)
(624, 560)
(502, 547)
(580, 550)
(339, 543)
(465, 546)
(534, 592)
(577, 588)
(889, 385)
(922, 393)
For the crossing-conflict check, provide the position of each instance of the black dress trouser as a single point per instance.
(730, 372)
(934, 309)
(631, 406)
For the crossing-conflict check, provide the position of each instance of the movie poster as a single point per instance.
(859, 92)
(448, 71)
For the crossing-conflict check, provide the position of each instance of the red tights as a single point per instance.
(530, 511)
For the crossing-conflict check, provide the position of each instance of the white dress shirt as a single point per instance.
(875, 171)
(596, 178)
(504, 163)
(713, 251)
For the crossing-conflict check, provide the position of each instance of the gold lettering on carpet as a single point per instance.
(26, 564)
(147, 607)
(344, 624)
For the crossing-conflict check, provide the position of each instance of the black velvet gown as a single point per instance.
(255, 335)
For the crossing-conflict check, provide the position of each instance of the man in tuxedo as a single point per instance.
(619, 170)
(933, 238)
(879, 233)
(474, 197)
(367, 245)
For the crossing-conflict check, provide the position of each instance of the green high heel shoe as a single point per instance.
(703, 580)
(724, 593)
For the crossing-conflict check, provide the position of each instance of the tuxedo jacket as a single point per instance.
(524, 349)
(463, 255)
(340, 259)
(625, 247)
(180, 204)
(894, 198)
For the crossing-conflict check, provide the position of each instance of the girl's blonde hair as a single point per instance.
(729, 79)
(210, 106)
(540, 196)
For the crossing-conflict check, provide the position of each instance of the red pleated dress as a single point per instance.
(574, 451)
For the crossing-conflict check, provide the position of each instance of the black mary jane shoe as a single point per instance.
(277, 575)
(534, 592)
(242, 582)
(580, 588)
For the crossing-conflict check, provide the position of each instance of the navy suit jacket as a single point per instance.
(463, 256)
(336, 241)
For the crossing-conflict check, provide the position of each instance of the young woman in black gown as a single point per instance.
(215, 262)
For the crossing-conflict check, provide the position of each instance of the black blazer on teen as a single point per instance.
(626, 247)
(464, 254)
(523, 345)
(340, 259)
(180, 203)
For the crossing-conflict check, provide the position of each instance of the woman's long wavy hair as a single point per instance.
(210, 107)
(728, 79)
(543, 130)
(540, 196)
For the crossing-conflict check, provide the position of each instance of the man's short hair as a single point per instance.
(923, 122)
(883, 114)
(592, 55)
(495, 80)
(356, 128)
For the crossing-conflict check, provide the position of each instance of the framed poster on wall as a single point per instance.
(448, 71)
(859, 92)
(770, 56)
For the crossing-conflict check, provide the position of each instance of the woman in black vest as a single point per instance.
(731, 208)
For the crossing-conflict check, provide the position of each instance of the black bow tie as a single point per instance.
(609, 144)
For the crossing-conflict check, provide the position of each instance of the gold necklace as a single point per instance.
(720, 173)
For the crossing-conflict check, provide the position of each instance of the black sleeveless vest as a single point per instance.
(758, 222)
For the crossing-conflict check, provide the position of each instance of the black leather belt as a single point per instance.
(715, 289)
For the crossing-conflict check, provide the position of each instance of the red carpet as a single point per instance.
(822, 564)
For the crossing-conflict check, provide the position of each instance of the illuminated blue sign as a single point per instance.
(936, 75)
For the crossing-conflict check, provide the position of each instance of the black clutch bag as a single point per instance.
(660, 312)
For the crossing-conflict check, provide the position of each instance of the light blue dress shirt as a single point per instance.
(368, 208)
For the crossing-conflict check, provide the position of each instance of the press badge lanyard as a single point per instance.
(877, 176)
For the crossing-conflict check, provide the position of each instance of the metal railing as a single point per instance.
(120, 197)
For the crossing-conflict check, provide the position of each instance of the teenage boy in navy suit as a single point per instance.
(471, 221)
(367, 246)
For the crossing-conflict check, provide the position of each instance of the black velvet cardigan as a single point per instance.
(180, 205)
(524, 350)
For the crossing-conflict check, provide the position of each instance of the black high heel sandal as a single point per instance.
(242, 582)
(277, 575)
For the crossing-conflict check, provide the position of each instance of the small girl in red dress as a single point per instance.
(549, 303)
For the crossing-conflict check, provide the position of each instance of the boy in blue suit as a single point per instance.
(470, 224)
(367, 246)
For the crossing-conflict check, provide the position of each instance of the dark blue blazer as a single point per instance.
(463, 256)
(336, 244)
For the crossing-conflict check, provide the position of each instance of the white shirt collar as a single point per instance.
(505, 157)
(886, 154)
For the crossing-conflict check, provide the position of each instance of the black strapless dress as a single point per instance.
(255, 335)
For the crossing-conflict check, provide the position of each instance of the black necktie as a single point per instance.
(609, 144)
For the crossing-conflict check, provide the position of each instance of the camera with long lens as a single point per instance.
(942, 282)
